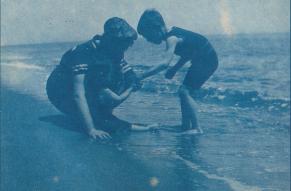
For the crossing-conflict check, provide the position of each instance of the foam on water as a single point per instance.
(22, 65)
(25, 78)
(233, 184)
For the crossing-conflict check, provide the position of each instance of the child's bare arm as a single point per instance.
(111, 99)
(169, 57)
(153, 71)
(172, 71)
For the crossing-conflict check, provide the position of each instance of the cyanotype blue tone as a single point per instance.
(110, 113)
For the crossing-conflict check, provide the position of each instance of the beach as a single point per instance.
(40, 156)
(244, 110)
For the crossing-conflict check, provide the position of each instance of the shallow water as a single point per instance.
(244, 110)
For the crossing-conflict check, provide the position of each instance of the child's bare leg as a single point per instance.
(110, 105)
(190, 107)
(137, 127)
(185, 116)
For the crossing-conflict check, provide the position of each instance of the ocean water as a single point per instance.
(244, 110)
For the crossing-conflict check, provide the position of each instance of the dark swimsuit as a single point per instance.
(89, 59)
(197, 49)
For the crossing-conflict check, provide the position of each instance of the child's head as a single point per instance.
(152, 26)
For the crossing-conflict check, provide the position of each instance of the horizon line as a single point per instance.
(139, 37)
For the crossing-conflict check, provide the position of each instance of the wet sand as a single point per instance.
(39, 155)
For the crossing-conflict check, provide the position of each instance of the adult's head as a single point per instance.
(118, 35)
(152, 26)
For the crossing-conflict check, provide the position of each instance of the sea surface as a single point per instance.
(244, 110)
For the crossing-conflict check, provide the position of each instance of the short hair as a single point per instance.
(150, 18)
(118, 28)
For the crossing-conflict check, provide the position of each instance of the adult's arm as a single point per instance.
(82, 105)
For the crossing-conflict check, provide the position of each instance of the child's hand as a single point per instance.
(164, 66)
(170, 73)
(137, 85)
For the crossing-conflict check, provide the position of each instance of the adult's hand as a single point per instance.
(94, 133)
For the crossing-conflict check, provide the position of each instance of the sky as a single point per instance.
(38, 21)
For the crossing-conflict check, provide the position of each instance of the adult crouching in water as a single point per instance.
(186, 46)
(93, 78)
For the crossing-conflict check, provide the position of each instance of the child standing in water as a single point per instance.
(188, 46)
